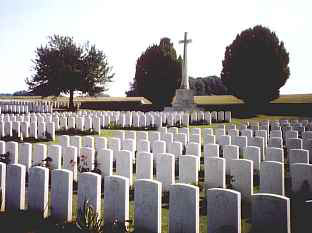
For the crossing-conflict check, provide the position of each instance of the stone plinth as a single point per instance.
(184, 101)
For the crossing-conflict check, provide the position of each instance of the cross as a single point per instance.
(185, 80)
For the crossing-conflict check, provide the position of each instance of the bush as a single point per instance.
(255, 66)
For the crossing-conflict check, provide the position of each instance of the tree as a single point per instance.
(158, 74)
(62, 66)
(211, 85)
(255, 66)
(21, 93)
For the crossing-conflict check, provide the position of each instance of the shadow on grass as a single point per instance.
(29, 140)
(27, 221)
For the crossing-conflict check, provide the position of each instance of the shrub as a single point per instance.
(255, 66)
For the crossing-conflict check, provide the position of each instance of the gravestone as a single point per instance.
(230, 152)
(39, 154)
(105, 161)
(270, 213)
(62, 195)
(87, 158)
(165, 170)
(70, 156)
(89, 189)
(2, 185)
(242, 177)
(301, 178)
(175, 148)
(124, 163)
(253, 153)
(215, 173)
(272, 178)
(88, 141)
(38, 190)
(116, 200)
(15, 187)
(184, 208)
(298, 156)
(100, 143)
(147, 202)
(223, 210)
(188, 169)
(64, 140)
(143, 146)
(274, 154)
(55, 153)
(144, 165)
(12, 148)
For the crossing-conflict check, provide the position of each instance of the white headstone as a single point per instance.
(272, 178)
(124, 162)
(62, 194)
(188, 169)
(223, 210)
(116, 200)
(274, 154)
(147, 199)
(89, 189)
(70, 156)
(242, 177)
(12, 149)
(165, 170)
(184, 208)
(100, 143)
(215, 173)
(270, 213)
(15, 187)
(87, 158)
(88, 141)
(64, 140)
(55, 153)
(144, 165)
(2, 185)
(230, 152)
(39, 154)
(38, 190)
(143, 146)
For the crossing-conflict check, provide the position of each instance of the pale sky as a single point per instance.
(123, 29)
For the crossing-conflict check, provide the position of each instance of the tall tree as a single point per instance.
(255, 66)
(158, 74)
(62, 66)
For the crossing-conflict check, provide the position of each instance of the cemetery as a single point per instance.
(228, 175)
(178, 154)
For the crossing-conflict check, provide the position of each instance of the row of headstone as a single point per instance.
(21, 107)
(17, 129)
(269, 211)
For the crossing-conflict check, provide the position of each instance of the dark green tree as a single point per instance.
(62, 66)
(255, 66)
(158, 74)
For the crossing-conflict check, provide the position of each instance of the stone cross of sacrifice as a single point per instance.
(185, 78)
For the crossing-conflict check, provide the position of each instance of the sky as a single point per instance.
(124, 29)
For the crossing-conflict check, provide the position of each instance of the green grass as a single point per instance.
(228, 99)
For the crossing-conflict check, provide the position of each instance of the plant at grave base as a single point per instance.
(122, 227)
(89, 220)
(5, 158)
(44, 163)
(231, 181)
(82, 164)
(48, 136)
(14, 134)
